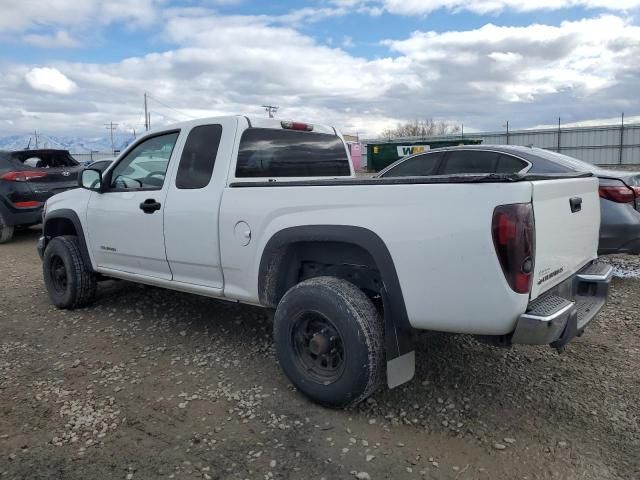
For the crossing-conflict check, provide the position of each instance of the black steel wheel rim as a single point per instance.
(318, 347)
(58, 274)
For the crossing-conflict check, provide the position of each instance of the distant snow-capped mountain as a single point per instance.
(73, 144)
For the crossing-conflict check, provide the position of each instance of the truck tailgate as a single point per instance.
(567, 219)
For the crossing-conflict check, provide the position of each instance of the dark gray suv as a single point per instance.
(27, 179)
(619, 189)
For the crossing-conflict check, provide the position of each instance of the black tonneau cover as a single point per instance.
(433, 179)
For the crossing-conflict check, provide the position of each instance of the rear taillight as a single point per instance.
(307, 127)
(28, 204)
(618, 193)
(22, 175)
(513, 233)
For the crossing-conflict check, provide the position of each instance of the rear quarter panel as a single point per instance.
(438, 235)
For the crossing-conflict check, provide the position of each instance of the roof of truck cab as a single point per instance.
(252, 121)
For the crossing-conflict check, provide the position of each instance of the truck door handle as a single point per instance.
(576, 204)
(150, 205)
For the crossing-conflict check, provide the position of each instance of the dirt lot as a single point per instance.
(152, 384)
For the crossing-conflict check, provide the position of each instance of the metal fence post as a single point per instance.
(621, 138)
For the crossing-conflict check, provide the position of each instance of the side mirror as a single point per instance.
(91, 179)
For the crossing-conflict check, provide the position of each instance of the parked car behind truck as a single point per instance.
(269, 213)
(27, 179)
(619, 190)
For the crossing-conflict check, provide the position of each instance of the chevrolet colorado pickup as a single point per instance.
(269, 213)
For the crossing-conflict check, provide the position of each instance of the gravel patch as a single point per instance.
(148, 384)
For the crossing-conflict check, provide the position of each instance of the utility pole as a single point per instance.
(559, 133)
(148, 120)
(111, 127)
(270, 109)
(134, 133)
(35, 133)
(146, 115)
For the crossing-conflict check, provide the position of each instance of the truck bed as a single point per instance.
(439, 237)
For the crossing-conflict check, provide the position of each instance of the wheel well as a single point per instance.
(66, 222)
(298, 261)
(59, 226)
(353, 253)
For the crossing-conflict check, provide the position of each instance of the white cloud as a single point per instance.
(521, 63)
(60, 39)
(234, 64)
(50, 80)
(422, 7)
(23, 15)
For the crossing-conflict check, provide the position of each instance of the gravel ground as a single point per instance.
(148, 384)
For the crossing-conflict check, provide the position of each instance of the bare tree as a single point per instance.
(421, 128)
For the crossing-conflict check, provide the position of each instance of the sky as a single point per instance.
(68, 67)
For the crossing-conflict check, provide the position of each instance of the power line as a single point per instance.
(52, 140)
(148, 95)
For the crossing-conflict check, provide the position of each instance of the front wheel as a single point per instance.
(69, 281)
(329, 341)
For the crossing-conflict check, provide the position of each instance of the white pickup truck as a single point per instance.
(269, 213)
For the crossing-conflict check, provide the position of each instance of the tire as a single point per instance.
(69, 281)
(343, 362)
(6, 232)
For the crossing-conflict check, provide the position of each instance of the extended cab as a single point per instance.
(269, 213)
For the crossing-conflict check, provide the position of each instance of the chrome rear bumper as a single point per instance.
(560, 314)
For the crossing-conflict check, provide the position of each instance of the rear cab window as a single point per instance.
(272, 153)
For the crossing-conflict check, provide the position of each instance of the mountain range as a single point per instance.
(71, 143)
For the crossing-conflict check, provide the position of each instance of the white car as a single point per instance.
(269, 213)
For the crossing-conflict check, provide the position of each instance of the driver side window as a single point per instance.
(145, 166)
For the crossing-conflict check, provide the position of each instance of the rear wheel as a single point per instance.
(69, 281)
(329, 341)
(6, 231)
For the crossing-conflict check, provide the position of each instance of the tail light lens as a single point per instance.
(307, 127)
(618, 193)
(513, 231)
(22, 175)
(28, 204)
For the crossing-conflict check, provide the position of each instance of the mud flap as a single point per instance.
(401, 365)
(570, 331)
